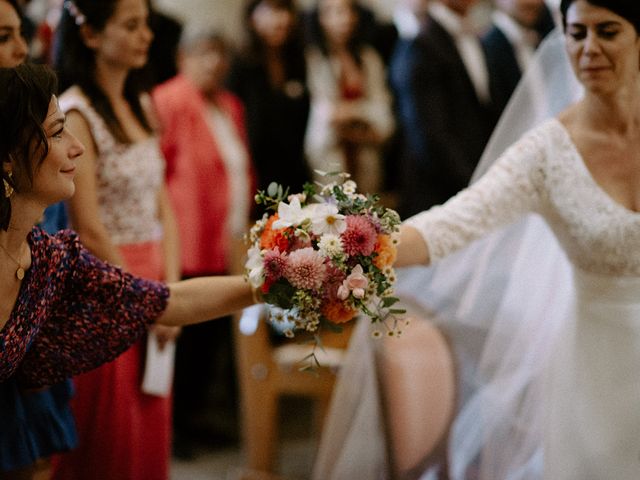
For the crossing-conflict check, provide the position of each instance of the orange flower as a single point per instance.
(386, 251)
(271, 238)
(338, 312)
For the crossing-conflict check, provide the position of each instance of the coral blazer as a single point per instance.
(196, 175)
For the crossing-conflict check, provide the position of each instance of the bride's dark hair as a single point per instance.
(628, 9)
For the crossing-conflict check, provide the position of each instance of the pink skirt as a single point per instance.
(124, 434)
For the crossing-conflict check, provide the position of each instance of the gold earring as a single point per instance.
(8, 189)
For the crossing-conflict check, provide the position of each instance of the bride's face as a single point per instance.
(604, 48)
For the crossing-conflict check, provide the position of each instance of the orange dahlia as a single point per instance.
(271, 238)
(386, 251)
(338, 312)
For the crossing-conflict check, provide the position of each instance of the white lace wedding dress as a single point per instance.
(592, 384)
(548, 343)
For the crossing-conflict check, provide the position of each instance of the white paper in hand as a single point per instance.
(158, 371)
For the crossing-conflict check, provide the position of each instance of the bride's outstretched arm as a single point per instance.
(412, 249)
(511, 188)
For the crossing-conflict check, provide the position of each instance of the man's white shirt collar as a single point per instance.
(523, 40)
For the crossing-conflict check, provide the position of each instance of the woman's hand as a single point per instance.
(165, 334)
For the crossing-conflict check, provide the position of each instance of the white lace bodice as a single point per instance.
(542, 173)
(129, 178)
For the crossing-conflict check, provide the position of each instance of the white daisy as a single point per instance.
(330, 245)
(326, 219)
(289, 215)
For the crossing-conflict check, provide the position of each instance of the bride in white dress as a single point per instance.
(574, 415)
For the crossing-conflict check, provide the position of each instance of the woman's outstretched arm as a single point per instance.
(199, 299)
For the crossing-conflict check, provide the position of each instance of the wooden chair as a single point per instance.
(266, 372)
(417, 383)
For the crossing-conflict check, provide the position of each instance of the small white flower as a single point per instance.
(327, 189)
(349, 187)
(289, 215)
(330, 245)
(326, 219)
(300, 196)
(255, 266)
(277, 314)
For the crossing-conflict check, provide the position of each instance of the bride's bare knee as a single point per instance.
(417, 380)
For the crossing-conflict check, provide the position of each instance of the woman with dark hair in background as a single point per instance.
(122, 214)
(269, 77)
(351, 116)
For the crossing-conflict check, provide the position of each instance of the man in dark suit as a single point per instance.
(518, 26)
(442, 93)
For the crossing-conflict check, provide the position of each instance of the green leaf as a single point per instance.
(280, 294)
(272, 189)
(388, 301)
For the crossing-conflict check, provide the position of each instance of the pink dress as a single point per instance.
(124, 433)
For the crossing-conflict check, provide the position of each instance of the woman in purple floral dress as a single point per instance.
(62, 311)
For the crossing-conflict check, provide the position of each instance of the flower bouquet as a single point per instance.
(323, 256)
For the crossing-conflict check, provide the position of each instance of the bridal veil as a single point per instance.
(501, 301)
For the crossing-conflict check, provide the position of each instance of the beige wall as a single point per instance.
(226, 15)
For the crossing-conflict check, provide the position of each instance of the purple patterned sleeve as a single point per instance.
(99, 312)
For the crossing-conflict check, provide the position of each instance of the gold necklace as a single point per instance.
(20, 270)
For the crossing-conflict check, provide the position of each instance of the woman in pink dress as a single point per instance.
(121, 211)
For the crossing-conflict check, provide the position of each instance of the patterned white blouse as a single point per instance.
(129, 177)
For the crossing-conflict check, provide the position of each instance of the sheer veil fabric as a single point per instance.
(502, 301)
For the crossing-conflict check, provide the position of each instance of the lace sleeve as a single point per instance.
(512, 187)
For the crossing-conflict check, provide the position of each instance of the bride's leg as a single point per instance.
(417, 381)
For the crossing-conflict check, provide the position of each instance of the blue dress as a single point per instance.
(36, 424)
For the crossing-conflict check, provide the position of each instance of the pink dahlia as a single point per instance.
(360, 236)
(334, 279)
(274, 264)
(305, 268)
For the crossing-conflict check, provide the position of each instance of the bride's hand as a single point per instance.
(412, 249)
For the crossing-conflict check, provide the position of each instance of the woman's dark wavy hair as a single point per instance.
(627, 9)
(76, 64)
(25, 95)
(16, 7)
(293, 49)
(316, 36)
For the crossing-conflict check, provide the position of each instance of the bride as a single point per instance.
(554, 388)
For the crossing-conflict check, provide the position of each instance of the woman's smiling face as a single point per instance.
(53, 177)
